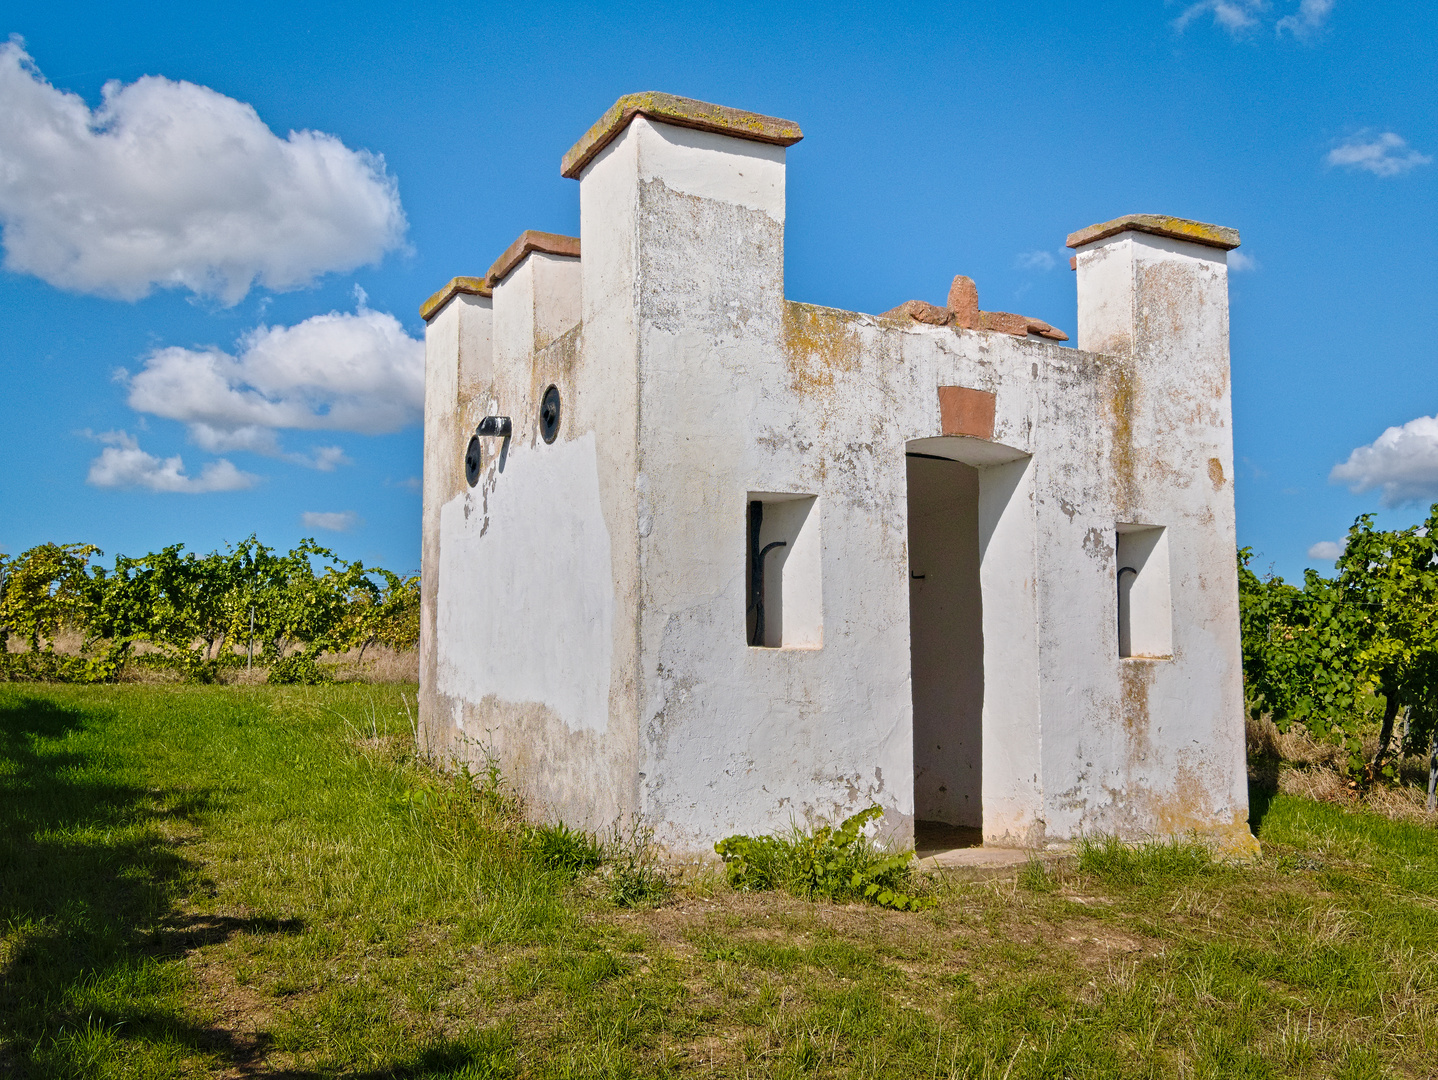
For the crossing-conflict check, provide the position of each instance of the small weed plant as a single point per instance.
(630, 872)
(830, 863)
(570, 851)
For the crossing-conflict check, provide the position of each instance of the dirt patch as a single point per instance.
(1095, 944)
(238, 1032)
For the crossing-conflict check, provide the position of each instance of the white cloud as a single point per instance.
(1384, 154)
(1238, 17)
(342, 521)
(1235, 16)
(324, 458)
(122, 464)
(1241, 263)
(1402, 463)
(262, 440)
(1325, 551)
(338, 372)
(1308, 20)
(174, 185)
(1034, 260)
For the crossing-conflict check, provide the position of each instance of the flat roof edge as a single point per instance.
(531, 240)
(473, 286)
(1195, 232)
(682, 112)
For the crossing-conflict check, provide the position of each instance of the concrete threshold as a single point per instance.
(984, 862)
(978, 856)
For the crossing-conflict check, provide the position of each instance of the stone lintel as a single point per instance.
(963, 411)
(531, 240)
(682, 112)
(1195, 232)
(474, 286)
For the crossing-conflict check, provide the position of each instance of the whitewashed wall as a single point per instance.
(585, 605)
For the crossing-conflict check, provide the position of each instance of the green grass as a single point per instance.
(218, 880)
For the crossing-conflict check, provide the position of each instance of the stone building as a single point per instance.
(701, 554)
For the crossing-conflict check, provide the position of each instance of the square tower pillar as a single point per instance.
(459, 363)
(1153, 299)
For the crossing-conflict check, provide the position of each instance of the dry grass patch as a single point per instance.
(1293, 763)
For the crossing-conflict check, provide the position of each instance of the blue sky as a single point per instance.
(186, 278)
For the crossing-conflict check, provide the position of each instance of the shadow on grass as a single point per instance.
(1262, 789)
(482, 1055)
(89, 884)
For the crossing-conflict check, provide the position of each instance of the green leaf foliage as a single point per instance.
(297, 670)
(1300, 654)
(45, 589)
(1338, 654)
(831, 863)
(196, 612)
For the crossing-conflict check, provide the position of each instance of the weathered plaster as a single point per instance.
(526, 594)
(585, 615)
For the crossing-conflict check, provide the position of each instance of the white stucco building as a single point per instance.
(995, 573)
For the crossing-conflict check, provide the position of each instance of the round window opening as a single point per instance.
(473, 460)
(549, 415)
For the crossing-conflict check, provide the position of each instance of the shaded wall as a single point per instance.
(946, 641)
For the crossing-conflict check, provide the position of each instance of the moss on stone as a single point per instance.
(682, 112)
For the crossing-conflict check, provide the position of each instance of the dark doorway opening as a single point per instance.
(946, 652)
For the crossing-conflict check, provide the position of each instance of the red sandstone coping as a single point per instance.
(531, 240)
(682, 112)
(1044, 330)
(964, 302)
(963, 310)
(919, 311)
(473, 286)
(1195, 232)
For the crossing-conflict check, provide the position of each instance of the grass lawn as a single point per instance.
(256, 880)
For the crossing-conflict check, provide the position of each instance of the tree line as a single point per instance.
(1343, 654)
(1340, 655)
(248, 604)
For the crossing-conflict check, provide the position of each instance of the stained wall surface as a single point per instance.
(586, 602)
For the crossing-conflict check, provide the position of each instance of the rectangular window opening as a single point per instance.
(1145, 606)
(781, 572)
